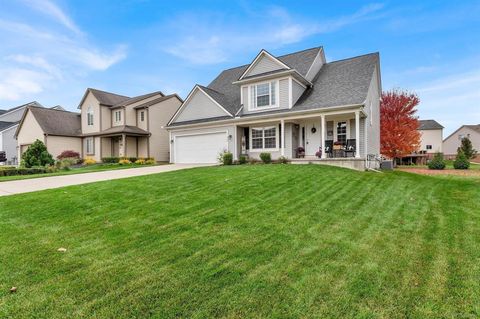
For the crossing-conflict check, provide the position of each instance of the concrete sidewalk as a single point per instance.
(42, 183)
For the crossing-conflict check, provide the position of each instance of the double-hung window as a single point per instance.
(342, 132)
(89, 116)
(264, 138)
(263, 95)
(118, 116)
(89, 144)
(142, 116)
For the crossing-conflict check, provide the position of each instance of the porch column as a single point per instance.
(235, 146)
(282, 127)
(124, 146)
(357, 134)
(324, 155)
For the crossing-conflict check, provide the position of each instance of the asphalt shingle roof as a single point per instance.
(137, 98)
(476, 128)
(108, 98)
(122, 129)
(4, 125)
(157, 100)
(57, 122)
(429, 125)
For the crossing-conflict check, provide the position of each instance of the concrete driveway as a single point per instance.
(42, 183)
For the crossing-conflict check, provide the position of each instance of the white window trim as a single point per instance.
(90, 112)
(119, 112)
(255, 150)
(335, 136)
(92, 151)
(261, 108)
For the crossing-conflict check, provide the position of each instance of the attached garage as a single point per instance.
(200, 147)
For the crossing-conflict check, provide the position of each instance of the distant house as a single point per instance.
(431, 136)
(59, 130)
(452, 142)
(9, 120)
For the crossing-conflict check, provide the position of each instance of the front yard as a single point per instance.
(245, 241)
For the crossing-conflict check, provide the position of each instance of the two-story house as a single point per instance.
(431, 136)
(108, 125)
(296, 105)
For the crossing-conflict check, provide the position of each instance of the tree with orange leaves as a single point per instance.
(399, 135)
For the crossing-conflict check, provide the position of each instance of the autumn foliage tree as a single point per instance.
(399, 135)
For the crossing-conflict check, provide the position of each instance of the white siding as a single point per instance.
(453, 141)
(433, 138)
(199, 106)
(264, 64)
(297, 91)
(372, 108)
(283, 93)
(316, 65)
(245, 99)
(9, 144)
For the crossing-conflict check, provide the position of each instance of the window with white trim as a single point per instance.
(90, 116)
(263, 95)
(429, 147)
(342, 132)
(89, 145)
(118, 116)
(264, 138)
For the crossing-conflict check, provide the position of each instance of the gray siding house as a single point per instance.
(9, 120)
(283, 105)
(453, 141)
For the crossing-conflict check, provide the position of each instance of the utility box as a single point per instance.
(386, 165)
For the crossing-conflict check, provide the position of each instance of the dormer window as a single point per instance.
(263, 95)
(89, 116)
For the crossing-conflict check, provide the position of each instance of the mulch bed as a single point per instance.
(426, 171)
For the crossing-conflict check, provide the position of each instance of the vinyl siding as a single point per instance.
(9, 144)
(106, 118)
(282, 96)
(122, 117)
(297, 91)
(283, 93)
(131, 113)
(433, 138)
(316, 65)
(245, 99)
(29, 131)
(452, 142)
(142, 125)
(199, 106)
(264, 64)
(57, 144)
(90, 100)
(372, 123)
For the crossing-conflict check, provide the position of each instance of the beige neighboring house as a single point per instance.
(58, 129)
(114, 125)
(431, 136)
(453, 141)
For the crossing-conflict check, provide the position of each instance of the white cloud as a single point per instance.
(203, 40)
(37, 57)
(52, 10)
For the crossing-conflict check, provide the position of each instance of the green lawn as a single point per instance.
(291, 241)
(77, 170)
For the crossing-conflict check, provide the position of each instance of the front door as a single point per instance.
(312, 137)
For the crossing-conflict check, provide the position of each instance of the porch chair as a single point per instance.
(350, 147)
(329, 148)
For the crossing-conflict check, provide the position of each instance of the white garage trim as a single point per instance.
(175, 142)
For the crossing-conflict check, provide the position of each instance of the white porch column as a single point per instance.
(357, 134)
(282, 134)
(235, 150)
(324, 155)
(123, 149)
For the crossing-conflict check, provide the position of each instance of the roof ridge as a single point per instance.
(50, 109)
(354, 57)
(108, 92)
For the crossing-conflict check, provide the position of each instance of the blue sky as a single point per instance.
(51, 51)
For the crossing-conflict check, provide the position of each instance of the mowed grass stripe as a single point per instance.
(245, 241)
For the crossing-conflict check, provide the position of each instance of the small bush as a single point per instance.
(37, 155)
(66, 163)
(461, 161)
(150, 161)
(140, 161)
(132, 159)
(89, 161)
(283, 160)
(242, 159)
(253, 161)
(124, 161)
(12, 171)
(437, 162)
(110, 160)
(68, 154)
(266, 158)
(226, 158)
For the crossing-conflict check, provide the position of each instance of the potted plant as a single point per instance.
(300, 152)
(337, 145)
(319, 153)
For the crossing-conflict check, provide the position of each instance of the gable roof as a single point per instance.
(475, 128)
(103, 97)
(127, 129)
(261, 54)
(138, 98)
(158, 100)
(429, 125)
(55, 122)
(33, 103)
(2, 111)
(4, 125)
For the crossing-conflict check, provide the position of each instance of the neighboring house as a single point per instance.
(453, 141)
(431, 136)
(114, 125)
(277, 104)
(9, 120)
(58, 129)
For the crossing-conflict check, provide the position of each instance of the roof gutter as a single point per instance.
(268, 116)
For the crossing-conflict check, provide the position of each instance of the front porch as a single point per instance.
(331, 138)
(125, 145)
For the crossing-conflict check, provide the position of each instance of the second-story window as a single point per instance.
(263, 95)
(118, 116)
(89, 116)
(142, 116)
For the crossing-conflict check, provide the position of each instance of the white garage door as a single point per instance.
(201, 148)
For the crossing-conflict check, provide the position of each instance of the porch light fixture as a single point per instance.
(171, 141)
